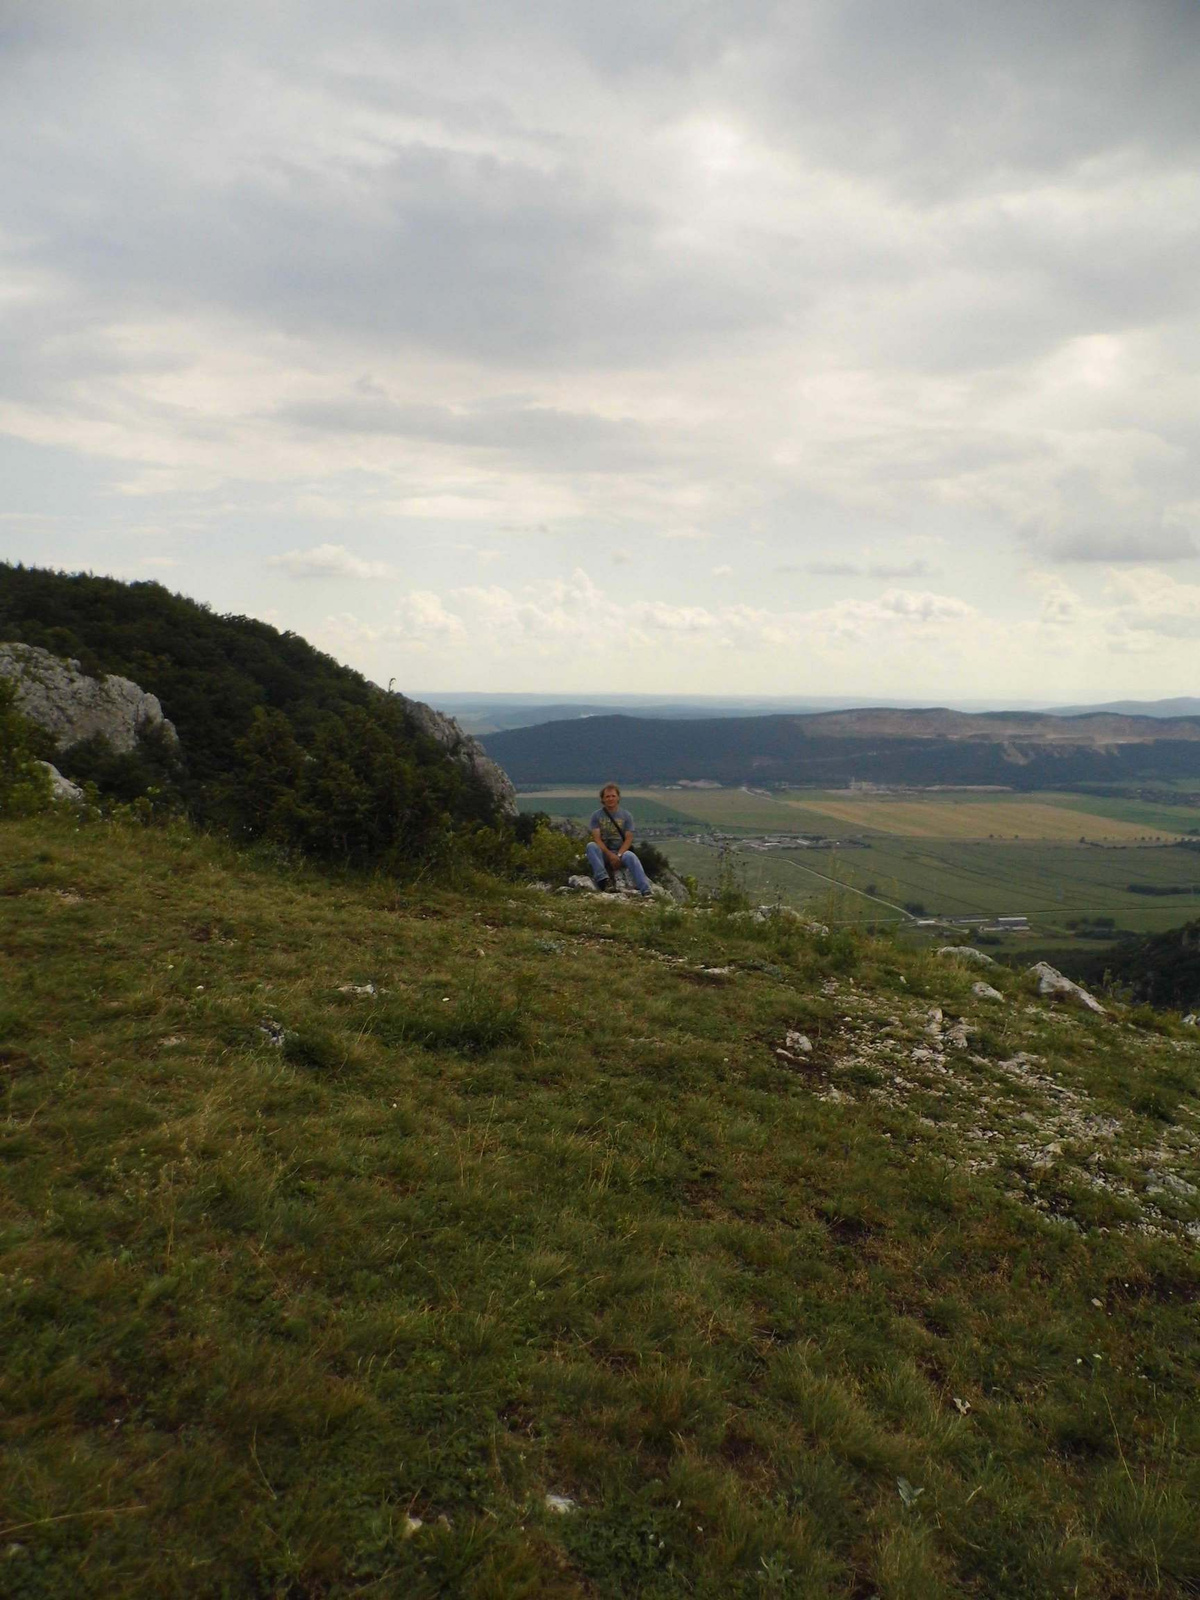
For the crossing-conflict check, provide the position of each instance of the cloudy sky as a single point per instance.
(824, 347)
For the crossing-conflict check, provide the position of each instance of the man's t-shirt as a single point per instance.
(613, 828)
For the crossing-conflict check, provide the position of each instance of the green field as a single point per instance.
(1048, 883)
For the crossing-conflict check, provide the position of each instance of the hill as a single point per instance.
(360, 1240)
(277, 740)
(1023, 750)
(1183, 706)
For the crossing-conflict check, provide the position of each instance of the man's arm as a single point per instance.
(609, 855)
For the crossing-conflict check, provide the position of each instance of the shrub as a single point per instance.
(24, 782)
(549, 855)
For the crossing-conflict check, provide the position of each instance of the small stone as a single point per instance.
(967, 952)
(412, 1525)
(984, 991)
(799, 1043)
(561, 1504)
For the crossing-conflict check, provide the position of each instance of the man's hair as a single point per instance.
(607, 786)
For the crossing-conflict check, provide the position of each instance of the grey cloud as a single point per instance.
(1119, 545)
(951, 191)
(861, 569)
(566, 440)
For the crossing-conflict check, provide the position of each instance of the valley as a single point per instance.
(1078, 867)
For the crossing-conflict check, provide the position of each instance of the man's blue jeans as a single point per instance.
(629, 861)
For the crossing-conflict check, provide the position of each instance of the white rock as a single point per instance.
(460, 747)
(1192, 1020)
(561, 1504)
(62, 788)
(71, 706)
(799, 1043)
(967, 952)
(1052, 982)
(984, 991)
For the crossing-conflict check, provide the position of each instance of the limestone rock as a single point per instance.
(62, 788)
(57, 696)
(967, 952)
(984, 991)
(673, 885)
(468, 752)
(1052, 982)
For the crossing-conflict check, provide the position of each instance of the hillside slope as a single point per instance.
(277, 740)
(345, 1228)
(1021, 750)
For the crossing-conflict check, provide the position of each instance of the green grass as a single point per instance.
(285, 1267)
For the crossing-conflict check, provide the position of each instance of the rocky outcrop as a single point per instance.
(57, 696)
(61, 788)
(468, 752)
(1052, 983)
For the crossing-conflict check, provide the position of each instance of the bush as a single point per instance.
(652, 858)
(24, 782)
(550, 855)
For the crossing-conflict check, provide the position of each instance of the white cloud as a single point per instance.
(1152, 602)
(329, 561)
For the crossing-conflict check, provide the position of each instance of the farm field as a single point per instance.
(1048, 883)
(581, 803)
(988, 817)
(1064, 818)
(1167, 819)
(729, 810)
(1034, 865)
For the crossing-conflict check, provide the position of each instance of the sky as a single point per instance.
(837, 347)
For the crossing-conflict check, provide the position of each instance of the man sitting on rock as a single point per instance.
(609, 852)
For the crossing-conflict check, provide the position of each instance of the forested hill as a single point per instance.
(277, 739)
(1021, 750)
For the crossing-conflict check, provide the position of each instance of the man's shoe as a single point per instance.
(605, 886)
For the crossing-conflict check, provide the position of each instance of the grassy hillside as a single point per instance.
(331, 1210)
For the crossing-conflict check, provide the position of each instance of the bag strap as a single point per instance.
(621, 831)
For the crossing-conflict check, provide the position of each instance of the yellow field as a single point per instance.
(953, 817)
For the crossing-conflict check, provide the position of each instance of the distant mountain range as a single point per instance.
(481, 713)
(1188, 706)
(1019, 749)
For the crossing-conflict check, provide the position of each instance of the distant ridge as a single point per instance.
(1018, 749)
(1187, 706)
